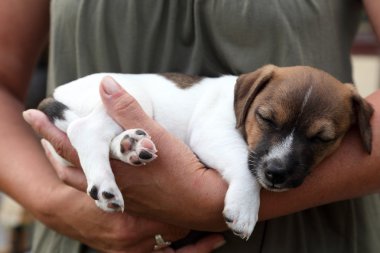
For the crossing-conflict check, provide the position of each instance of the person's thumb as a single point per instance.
(121, 106)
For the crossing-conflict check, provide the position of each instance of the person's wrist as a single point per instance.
(56, 201)
(210, 201)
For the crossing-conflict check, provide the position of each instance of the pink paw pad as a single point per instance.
(135, 147)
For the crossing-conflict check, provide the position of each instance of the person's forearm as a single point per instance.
(25, 173)
(373, 8)
(22, 160)
(348, 173)
(154, 191)
(27, 177)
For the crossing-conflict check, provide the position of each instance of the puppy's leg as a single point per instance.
(224, 149)
(91, 137)
(241, 204)
(133, 146)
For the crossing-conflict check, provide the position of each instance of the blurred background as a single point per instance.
(366, 59)
(16, 223)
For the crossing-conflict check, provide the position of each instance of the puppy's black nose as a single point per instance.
(275, 173)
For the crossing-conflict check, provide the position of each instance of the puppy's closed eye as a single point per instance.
(322, 131)
(323, 138)
(266, 117)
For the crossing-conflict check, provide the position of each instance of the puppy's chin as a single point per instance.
(279, 187)
(273, 188)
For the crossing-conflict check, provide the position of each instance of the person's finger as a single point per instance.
(43, 127)
(145, 242)
(205, 245)
(71, 176)
(122, 107)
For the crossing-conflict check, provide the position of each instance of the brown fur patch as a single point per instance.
(181, 80)
(324, 128)
(311, 107)
(328, 113)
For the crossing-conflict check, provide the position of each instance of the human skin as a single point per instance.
(27, 176)
(327, 183)
(148, 188)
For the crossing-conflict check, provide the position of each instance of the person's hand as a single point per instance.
(113, 233)
(117, 230)
(74, 214)
(164, 189)
(175, 188)
(205, 245)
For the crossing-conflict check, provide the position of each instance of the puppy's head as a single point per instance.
(294, 117)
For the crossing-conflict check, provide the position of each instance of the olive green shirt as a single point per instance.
(214, 37)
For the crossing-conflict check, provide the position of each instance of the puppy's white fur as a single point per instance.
(202, 116)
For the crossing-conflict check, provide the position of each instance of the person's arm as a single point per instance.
(176, 188)
(349, 166)
(372, 8)
(23, 34)
(193, 196)
(25, 173)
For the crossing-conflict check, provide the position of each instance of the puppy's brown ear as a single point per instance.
(363, 112)
(246, 89)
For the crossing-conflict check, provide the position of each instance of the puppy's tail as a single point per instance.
(57, 112)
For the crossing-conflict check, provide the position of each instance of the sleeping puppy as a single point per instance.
(267, 128)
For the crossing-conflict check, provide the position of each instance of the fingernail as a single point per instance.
(110, 86)
(219, 244)
(45, 144)
(27, 117)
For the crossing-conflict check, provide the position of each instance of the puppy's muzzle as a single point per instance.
(274, 172)
(279, 176)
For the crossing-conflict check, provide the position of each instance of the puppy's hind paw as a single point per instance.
(107, 197)
(133, 146)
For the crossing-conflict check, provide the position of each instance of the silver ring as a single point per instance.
(160, 242)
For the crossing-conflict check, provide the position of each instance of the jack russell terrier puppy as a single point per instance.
(267, 128)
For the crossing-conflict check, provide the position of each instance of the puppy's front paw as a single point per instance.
(241, 212)
(133, 146)
(107, 195)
